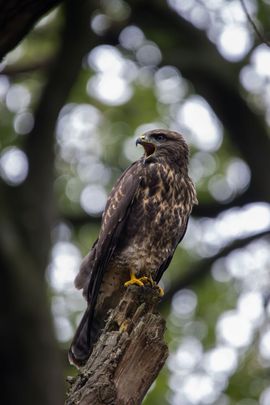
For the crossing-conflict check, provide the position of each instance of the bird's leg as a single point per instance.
(141, 281)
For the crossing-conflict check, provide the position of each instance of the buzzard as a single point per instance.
(145, 218)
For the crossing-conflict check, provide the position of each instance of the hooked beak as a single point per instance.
(149, 147)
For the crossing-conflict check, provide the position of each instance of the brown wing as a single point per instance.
(82, 279)
(114, 218)
(166, 262)
(115, 215)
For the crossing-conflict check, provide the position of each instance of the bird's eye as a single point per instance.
(159, 137)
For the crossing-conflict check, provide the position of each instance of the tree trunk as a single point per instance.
(128, 355)
(17, 19)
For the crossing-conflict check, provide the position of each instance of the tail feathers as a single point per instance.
(80, 347)
(82, 343)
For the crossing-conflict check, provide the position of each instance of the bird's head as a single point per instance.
(164, 143)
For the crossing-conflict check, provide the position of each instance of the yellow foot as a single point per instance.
(138, 281)
(142, 281)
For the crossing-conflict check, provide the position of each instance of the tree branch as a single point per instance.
(202, 268)
(128, 355)
(214, 208)
(17, 19)
(26, 68)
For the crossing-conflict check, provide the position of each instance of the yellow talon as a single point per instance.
(154, 284)
(142, 281)
(134, 280)
(161, 291)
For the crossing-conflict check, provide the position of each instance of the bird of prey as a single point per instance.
(144, 220)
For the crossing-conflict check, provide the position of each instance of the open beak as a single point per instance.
(149, 147)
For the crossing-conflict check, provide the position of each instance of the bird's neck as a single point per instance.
(176, 163)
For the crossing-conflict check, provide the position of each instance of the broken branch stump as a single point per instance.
(128, 355)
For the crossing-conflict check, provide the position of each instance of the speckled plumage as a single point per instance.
(144, 220)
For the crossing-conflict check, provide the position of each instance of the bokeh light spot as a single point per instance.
(109, 89)
(197, 116)
(234, 330)
(23, 122)
(234, 42)
(149, 55)
(221, 360)
(106, 58)
(184, 303)
(261, 60)
(93, 199)
(13, 166)
(64, 265)
(131, 37)
(18, 98)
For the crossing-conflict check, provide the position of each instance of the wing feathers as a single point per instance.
(94, 265)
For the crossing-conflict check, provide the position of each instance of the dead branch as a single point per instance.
(128, 355)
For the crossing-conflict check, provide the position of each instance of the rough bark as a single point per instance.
(128, 355)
